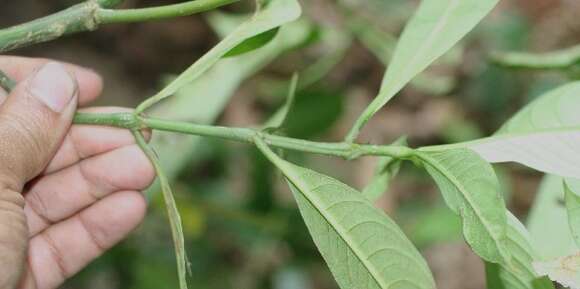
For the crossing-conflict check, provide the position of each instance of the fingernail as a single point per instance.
(53, 85)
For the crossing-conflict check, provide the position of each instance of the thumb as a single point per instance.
(34, 119)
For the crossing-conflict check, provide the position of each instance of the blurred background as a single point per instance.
(242, 226)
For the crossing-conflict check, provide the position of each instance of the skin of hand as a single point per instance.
(67, 192)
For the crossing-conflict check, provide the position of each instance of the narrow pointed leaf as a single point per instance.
(278, 13)
(433, 30)
(279, 119)
(572, 191)
(471, 189)
(172, 211)
(383, 44)
(545, 135)
(362, 246)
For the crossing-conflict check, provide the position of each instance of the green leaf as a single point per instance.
(383, 44)
(547, 221)
(362, 246)
(387, 168)
(433, 30)
(278, 13)
(192, 104)
(253, 43)
(278, 120)
(471, 189)
(572, 191)
(545, 135)
(172, 211)
(519, 273)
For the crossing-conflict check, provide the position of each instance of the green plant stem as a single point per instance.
(133, 122)
(246, 135)
(88, 16)
(108, 16)
(560, 59)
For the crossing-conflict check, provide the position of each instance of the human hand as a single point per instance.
(67, 193)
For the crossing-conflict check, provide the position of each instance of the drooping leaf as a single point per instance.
(545, 135)
(436, 26)
(519, 273)
(564, 270)
(362, 246)
(471, 189)
(278, 13)
(172, 211)
(547, 221)
(387, 168)
(572, 191)
(253, 43)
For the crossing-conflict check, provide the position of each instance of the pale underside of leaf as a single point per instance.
(564, 270)
(363, 247)
(471, 189)
(555, 152)
(545, 135)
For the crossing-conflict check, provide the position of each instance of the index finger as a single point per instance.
(19, 68)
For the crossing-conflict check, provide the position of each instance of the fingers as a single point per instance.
(85, 141)
(35, 118)
(49, 201)
(3, 95)
(33, 121)
(19, 68)
(65, 248)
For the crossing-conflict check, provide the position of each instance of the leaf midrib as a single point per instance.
(297, 182)
(432, 37)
